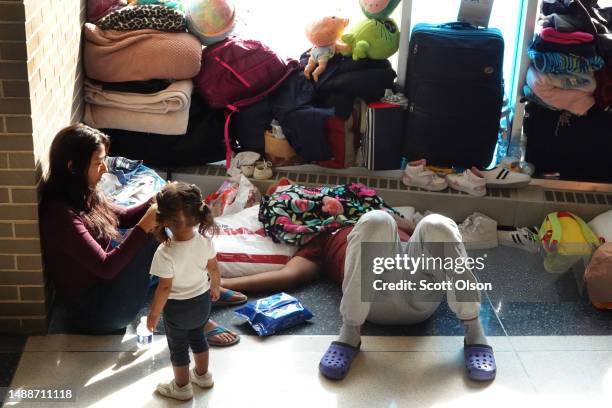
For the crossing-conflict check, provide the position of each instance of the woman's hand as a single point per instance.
(147, 222)
(152, 321)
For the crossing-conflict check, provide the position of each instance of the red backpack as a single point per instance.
(237, 73)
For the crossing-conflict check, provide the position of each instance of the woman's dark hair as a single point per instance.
(181, 204)
(67, 179)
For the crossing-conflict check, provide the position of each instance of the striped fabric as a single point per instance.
(557, 63)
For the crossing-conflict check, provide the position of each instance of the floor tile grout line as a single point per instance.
(522, 363)
(516, 353)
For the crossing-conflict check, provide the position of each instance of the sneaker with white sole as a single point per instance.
(205, 380)
(501, 177)
(419, 176)
(470, 181)
(171, 390)
(479, 232)
(263, 170)
(523, 238)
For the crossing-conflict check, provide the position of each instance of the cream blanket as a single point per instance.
(103, 117)
(176, 97)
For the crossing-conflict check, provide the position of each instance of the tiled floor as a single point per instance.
(282, 371)
(552, 348)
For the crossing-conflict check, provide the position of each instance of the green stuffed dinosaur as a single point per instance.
(378, 9)
(372, 39)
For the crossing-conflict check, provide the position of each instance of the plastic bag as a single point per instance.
(233, 196)
(273, 314)
(243, 248)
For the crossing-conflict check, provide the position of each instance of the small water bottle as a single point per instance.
(144, 337)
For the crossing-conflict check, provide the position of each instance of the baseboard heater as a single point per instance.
(512, 207)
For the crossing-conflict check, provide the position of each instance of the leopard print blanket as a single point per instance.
(153, 17)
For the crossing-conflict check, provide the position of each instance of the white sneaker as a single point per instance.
(479, 232)
(501, 177)
(205, 380)
(263, 170)
(523, 238)
(171, 390)
(470, 181)
(419, 176)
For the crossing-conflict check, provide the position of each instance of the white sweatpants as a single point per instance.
(379, 226)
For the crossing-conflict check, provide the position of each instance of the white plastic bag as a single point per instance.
(243, 248)
(247, 195)
(233, 196)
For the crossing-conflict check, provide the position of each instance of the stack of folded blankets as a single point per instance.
(561, 75)
(567, 59)
(139, 60)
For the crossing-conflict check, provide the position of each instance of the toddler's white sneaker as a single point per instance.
(416, 175)
(263, 170)
(470, 181)
(171, 390)
(205, 380)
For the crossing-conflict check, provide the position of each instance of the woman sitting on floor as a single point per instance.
(103, 287)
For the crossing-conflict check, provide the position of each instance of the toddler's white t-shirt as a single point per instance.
(185, 262)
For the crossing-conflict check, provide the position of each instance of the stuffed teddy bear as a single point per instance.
(324, 35)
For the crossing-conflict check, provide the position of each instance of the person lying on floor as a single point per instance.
(104, 288)
(339, 255)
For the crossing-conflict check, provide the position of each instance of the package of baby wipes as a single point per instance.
(273, 314)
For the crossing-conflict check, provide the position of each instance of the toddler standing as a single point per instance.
(188, 282)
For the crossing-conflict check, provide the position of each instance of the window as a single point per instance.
(280, 24)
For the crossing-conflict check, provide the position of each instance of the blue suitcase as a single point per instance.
(454, 83)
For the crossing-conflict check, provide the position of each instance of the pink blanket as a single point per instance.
(573, 100)
(140, 55)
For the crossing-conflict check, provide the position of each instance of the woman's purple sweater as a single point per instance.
(73, 258)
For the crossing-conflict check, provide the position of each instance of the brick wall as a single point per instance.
(40, 92)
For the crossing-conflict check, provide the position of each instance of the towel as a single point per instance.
(172, 123)
(575, 101)
(141, 55)
(176, 97)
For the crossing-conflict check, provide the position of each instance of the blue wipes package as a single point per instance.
(273, 314)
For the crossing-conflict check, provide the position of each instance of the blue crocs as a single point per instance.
(337, 360)
(480, 362)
